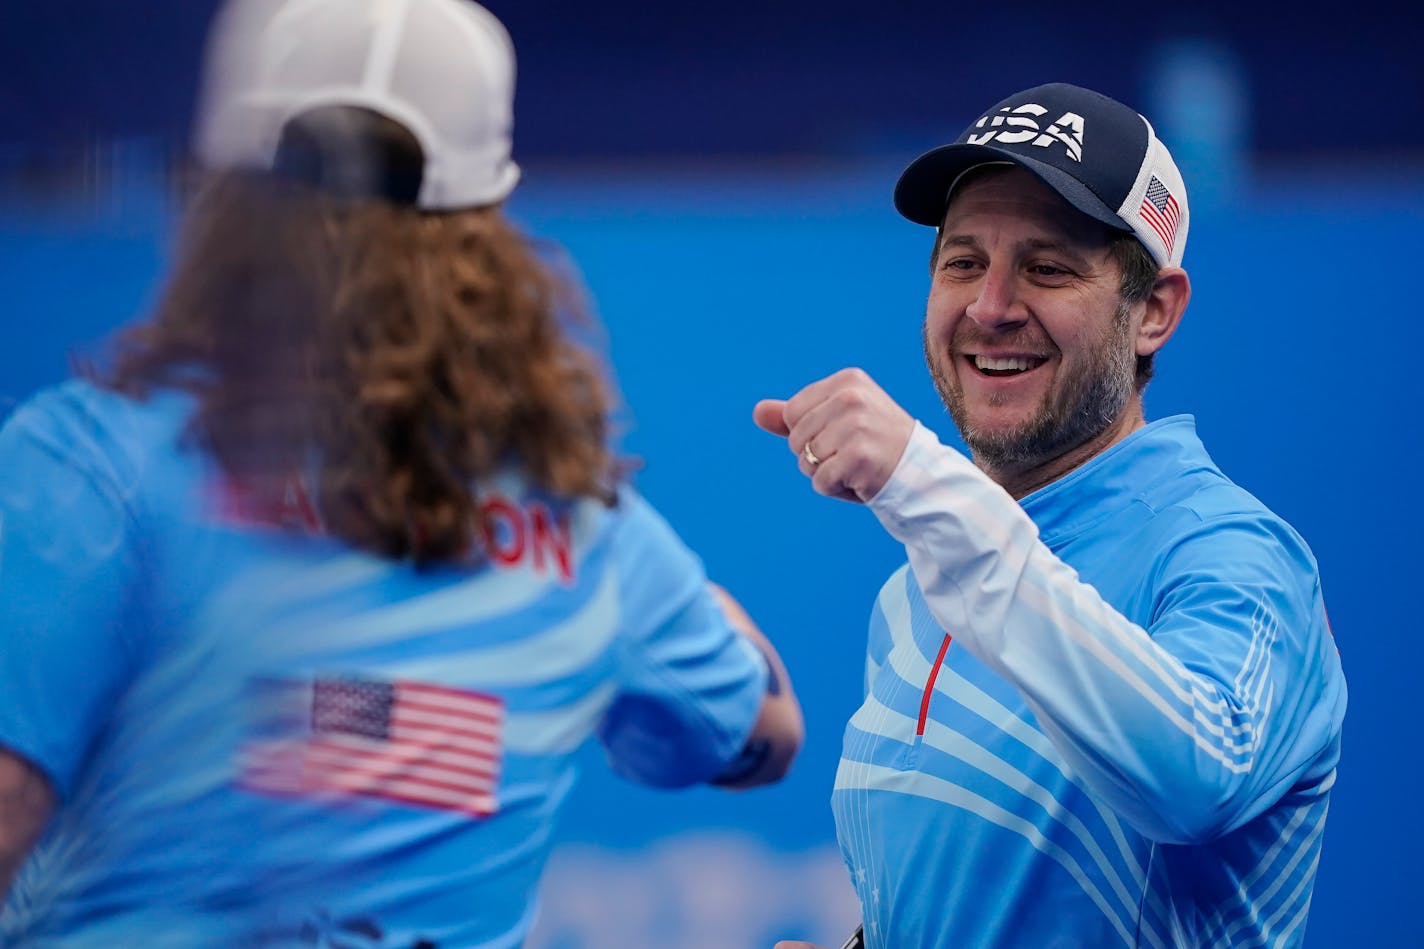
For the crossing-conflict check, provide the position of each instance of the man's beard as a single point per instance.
(1092, 401)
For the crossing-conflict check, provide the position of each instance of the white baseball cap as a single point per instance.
(442, 69)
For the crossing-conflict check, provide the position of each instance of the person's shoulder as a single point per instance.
(1193, 483)
(1201, 502)
(88, 404)
(642, 539)
(87, 425)
(1213, 496)
(1227, 509)
(1226, 519)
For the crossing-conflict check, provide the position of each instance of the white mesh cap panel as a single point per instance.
(293, 67)
(455, 67)
(444, 69)
(228, 128)
(1156, 207)
(1166, 170)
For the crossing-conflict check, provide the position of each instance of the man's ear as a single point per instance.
(1165, 305)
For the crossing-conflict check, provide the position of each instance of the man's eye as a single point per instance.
(959, 263)
(1047, 270)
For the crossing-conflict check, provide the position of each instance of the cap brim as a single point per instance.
(922, 193)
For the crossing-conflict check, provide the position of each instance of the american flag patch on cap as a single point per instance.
(1161, 212)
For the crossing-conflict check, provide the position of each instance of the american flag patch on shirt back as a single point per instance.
(426, 745)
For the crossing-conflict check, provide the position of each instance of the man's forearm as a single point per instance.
(26, 800)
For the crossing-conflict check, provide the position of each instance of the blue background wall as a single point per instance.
(722, 178)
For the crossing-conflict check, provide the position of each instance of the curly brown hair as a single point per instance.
(394, 357)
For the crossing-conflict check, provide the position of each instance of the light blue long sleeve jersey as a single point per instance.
(1108, 716)
(261, 736)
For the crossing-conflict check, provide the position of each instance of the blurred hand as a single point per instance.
(857, 434)
(795, 944)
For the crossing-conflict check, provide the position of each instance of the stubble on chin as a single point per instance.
(1086, 408)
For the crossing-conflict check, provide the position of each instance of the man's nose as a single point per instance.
(997, 305)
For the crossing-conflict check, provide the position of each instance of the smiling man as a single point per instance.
(1036, 396)
(1103, 703)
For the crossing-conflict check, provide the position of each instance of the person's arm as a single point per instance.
(1188, 728)
(66, 570)
(26, 801)
(779, 729)
(695, 703)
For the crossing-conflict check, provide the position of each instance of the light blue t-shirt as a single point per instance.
(1108, 717)
(259, 735)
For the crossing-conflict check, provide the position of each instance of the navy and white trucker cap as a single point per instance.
(443, 69)
(1101, 156)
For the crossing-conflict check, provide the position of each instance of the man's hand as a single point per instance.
(795, 944)
(855, 432)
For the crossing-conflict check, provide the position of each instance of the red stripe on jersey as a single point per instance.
(929, 685)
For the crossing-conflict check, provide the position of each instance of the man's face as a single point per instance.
(1025, 335)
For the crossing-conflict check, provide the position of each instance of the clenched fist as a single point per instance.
(847, 433)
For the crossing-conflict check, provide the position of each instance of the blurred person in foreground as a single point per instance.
(307, 602)
(1103, 701)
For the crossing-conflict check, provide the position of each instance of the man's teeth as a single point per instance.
(1018, 363)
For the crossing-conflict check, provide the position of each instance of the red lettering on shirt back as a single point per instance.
(285, 504)
(502, 529)
(516, 534)
(552, 536)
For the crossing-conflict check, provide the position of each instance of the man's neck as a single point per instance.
(1023, 481)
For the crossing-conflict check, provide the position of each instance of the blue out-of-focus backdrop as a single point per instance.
(721, 176)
